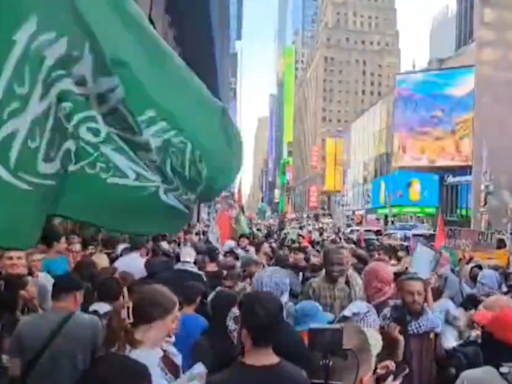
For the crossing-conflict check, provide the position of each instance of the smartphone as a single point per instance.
(400, 372)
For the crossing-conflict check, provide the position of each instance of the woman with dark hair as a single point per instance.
(56, 262)
(218, 347)
(87, 271)
(144, 330)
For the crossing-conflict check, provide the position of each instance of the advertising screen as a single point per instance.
(433, 118)
(333, 177)
(315, 157)
(406, 188)
(289, 98)
(313, 197)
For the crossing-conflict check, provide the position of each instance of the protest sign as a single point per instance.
(424, 261)
(469, 243)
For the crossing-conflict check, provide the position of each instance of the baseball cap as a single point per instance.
(308, 313)
(212, 252)
(66, 284)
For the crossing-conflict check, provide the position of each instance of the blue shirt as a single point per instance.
(191, 327)
(56, 266)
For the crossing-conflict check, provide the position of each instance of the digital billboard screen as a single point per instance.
(406, 188)
(333, 177)
(289, 96)
(433, 118)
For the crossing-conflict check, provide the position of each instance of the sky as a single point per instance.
(259, 61)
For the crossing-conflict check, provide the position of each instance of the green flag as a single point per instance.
(241, 224)
(100, 121)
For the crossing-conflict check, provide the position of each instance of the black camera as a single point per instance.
(326, 344)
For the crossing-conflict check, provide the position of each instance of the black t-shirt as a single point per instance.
(280, 373)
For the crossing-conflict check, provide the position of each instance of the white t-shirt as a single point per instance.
(152, 358)
(46, 279)
(132, 263)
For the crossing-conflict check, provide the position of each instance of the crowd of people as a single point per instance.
(274, 305)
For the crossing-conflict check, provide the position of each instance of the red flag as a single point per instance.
(441, 233)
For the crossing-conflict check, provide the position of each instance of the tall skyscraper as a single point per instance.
(465, 23)
(259, 164)
(442, 33)
(353, 65)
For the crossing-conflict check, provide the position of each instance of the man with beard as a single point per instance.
(339, 286)
(411, 318)
(297, 268)
(315, 266)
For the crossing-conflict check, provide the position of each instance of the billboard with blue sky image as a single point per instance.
(433, 118)
(406, 188)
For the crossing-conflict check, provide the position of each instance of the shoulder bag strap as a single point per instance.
(32, 362)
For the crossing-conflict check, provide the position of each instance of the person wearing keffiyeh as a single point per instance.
(489, 283)
(361, 313)
(427, 322)
(412, 320)
(379, 284)
(277, 281)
